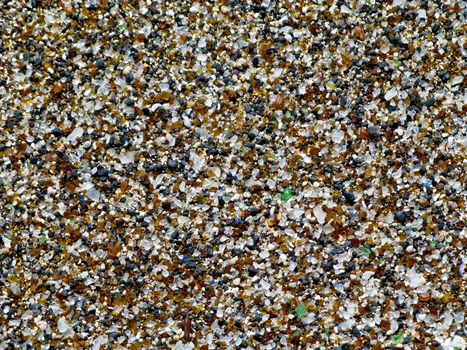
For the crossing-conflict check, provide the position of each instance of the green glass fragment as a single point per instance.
(300, 310)
(286, 195)
(366, 250)
(398, 338)
(433, 244)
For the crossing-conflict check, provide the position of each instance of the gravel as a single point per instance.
(233, 175)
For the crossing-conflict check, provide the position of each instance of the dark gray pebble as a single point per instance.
(100, 64)
(400, 216)
(172, 164)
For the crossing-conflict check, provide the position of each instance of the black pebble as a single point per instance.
(82, 202)
(258, 337)
(400, 216)
(37, 61)
(349, 197)
(100, 64)
(338, 185)
(158, 167)
(57, 132)
(443, 76)
(238, 222)
(336, 251)
(373, 131)
(252, 271)
(355, 331)
(102, 172)
(129, 78)
(172, 164)
(200, 271)
(191, 264)
(256, 62)
(254, 211)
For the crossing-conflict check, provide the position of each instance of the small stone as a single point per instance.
(191, 264)
(57, 132)
(146, 111)
(443, 76)
(320, 214)
(15, 290)
(373, 131)
(457, 80)
(400, 216)
(158, 167)
(238, 221)
(99, 341)
(349, 197)
(336, 251)
(415, 279)
(129, 78)
(102, 172)
(252, 271)
(75, 134)
(37, 61)
(390, 94)
(93, 195)
(424, 296)
(100, 64)
(199, 271)
(172, 164)
(63, 325)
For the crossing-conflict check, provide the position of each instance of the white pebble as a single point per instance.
(93, 195)
(390, 94)
(63, 325)
(76, 133)
(320, 214)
